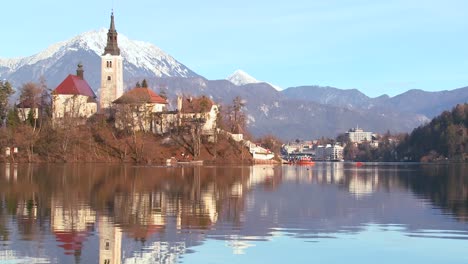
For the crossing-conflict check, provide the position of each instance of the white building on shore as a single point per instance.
(357, 135)
(329, 152)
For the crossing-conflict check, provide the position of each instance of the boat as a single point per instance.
(305, 161)
(302, 161)
(191, 162)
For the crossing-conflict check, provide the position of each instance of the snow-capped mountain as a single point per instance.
(141, 60)
(240, 77)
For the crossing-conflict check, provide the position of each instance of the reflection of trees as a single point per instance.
(141, 199)
(445, 185)
(4, 232)
(151, 203)
(21, 198)
(138, 199)
(144, 203)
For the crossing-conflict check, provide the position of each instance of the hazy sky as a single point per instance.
(375, 46)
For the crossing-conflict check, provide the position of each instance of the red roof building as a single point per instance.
(201, 104)
(134, 109)
(140, 95)
(73, 97)
(74, 85)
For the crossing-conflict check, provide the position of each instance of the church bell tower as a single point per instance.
(111, 70)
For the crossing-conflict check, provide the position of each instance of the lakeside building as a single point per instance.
(358, 135)
(27, 108)
(304, 147)
(73, 98)
(329, 152)
(134, 110)
(201, 108)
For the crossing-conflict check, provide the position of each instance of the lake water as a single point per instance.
(328, 213)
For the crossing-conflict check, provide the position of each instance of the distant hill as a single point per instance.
(419, 102)
(446, 136)
(351, 98)
(429, 104)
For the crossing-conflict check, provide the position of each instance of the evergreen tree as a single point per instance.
(5, 92)
(144, 84)
(138, 85)
(13, 118)
(445, 136)
(31, 118)
(45, 105)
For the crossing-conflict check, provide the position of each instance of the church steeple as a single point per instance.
(111, 70)
(112, 48)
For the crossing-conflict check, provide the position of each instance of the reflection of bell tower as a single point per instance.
(110, 242)
(111, 70)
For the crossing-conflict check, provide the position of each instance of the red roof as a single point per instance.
(74, 85)
(71, 240)
(140, 95)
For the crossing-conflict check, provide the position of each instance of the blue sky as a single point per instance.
(378, 47)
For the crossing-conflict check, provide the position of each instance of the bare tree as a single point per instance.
(134, 117)
(234, 117)
(30, 97)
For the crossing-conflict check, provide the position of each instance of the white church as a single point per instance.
(74, 98)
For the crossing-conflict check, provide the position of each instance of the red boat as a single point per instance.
(303, 161)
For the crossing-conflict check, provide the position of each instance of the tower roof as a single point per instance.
(112, 47)
(112, 24)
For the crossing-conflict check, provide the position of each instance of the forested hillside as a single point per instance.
(445, 137)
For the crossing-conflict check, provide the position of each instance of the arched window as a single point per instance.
(108, 78)
(109, 64)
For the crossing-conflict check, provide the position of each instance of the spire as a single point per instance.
(112, 48)
(112, 24)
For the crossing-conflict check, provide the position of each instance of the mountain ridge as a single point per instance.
(428, 103)
(295, 112)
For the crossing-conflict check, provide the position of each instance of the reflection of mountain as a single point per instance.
(156, 215)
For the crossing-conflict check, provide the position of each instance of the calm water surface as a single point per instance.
(328, 213)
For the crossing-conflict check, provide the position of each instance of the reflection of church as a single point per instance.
(71, 224)
(129, 215)
(110, 241)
